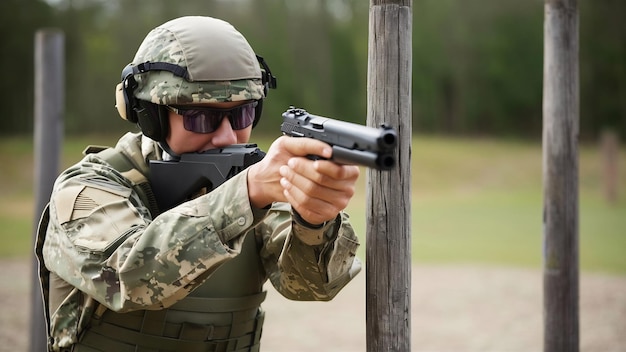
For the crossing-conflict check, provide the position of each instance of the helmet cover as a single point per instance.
(221, 65)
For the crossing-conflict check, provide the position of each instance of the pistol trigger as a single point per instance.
(314, 157)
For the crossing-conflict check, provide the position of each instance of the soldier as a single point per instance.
(118, 274)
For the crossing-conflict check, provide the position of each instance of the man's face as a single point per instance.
(181, 140)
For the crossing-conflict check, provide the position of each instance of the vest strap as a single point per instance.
(115, 338)
(219, 305)
(192, 338)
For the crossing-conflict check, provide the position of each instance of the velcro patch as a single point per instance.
(64, 202)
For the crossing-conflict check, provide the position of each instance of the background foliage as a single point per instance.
(477, 68)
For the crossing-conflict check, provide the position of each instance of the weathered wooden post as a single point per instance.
(388, 251)
(560, 176)
(49, 106)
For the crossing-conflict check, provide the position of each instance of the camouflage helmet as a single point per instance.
(196, 59)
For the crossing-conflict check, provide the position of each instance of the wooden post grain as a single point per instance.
(560, 176)
(388, 251)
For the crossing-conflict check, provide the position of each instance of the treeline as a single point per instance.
(477, 67)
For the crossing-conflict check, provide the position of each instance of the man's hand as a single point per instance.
(317, 189)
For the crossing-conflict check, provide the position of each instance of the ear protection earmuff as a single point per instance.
(153, 118)
(269, 81)
(124, 98)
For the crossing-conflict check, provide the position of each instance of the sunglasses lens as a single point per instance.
(242, 117)
(207, 120)
(201, 121)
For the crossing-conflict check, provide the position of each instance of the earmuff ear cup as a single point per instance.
(120, 101)
(130, 103)
(258, 110)
(124, 95)
(153, 120)
(125, 102)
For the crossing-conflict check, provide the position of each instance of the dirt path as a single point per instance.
(454, 308)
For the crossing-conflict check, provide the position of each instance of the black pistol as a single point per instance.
(352, 143)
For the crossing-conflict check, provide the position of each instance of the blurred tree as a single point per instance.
(477, 68)
(19, 20)
(439, 60)
(505, 91)
(603, 67)
(90, 84)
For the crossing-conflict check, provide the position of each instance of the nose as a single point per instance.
(224, 135)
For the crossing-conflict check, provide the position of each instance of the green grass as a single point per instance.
(480, 201)
(473, 201)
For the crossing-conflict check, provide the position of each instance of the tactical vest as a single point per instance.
(223, 314)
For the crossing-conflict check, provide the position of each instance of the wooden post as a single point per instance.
(49, 102)
(560, 176)
(388, 251)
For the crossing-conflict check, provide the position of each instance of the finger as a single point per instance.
(312, 210)
(337, 171)
(307, 146)
(337, 195)
(325, 173)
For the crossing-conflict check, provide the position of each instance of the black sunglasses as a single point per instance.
(200, 119)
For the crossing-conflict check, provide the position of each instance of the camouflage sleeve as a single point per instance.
(102, 240)
(304, 263)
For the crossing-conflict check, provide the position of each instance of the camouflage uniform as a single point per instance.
(106, 256)
(105, 249)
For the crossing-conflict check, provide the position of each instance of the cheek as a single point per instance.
(180, 140)
(243, 136)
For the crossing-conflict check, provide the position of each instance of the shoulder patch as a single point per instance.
(64, 201)
(79, 201)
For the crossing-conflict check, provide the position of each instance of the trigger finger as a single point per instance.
(303, 146)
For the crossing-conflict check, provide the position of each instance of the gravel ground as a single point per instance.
(454, 308)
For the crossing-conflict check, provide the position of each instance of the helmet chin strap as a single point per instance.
(169, 151)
